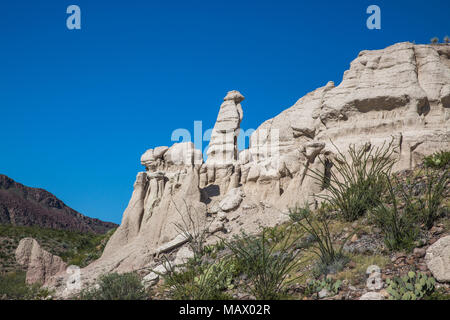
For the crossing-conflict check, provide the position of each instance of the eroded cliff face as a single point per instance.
(401, 93)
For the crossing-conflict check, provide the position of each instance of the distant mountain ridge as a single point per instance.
(25, 206)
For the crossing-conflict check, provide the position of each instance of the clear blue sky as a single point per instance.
(78, 108)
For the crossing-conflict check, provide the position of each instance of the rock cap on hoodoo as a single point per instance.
(234, 95)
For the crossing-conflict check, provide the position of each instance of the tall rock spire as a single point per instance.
(222, 148)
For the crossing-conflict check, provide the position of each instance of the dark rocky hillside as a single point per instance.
(25, 206)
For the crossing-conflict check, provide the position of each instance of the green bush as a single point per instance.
(115, 286)
(13, 286)
(400, 229)
(355, 183)
(438, 294)
(438, 160)
(73, 247)
(331, 259)
(267, 263)
(87, 249)
(197, 281)
(413, 286)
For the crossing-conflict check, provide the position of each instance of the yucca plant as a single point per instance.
(436, 184)
(400, 229)
(267, 263)
(317, 226)
(355, 182)
(427, 208)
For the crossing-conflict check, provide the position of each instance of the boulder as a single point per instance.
(178, 241)
(437, 259)
(323, 293)
(150, 280)
(231, 200)
(153, 277)
(183, 255)
(216, 226)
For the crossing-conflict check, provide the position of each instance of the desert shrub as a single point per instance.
(316, 225)
(356, 182)
(437, 160)
(196, 281)
(438, 294)
(116, 286)
(413, 286)
(428, 208)
(267, 263)
(13, 286)
(423, 195)
(434, 40)
(400, 229)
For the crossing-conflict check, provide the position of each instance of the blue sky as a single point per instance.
(79, 107)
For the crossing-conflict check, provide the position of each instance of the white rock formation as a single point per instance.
(40, 264)
(402, 91)
(222, 147)
(222, 151)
